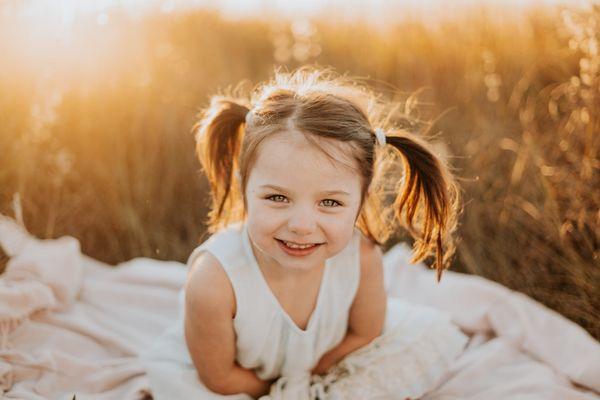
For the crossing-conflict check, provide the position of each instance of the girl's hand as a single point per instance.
(321, 368)
(351, 343)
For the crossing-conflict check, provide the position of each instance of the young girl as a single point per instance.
(287, 296)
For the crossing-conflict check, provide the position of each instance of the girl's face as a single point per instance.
(297, 196)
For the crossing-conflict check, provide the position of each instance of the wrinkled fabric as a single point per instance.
(407, 360)
(72, 325)
(417, 345)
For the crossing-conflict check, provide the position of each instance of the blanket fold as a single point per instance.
(40, 275)
(72, 325)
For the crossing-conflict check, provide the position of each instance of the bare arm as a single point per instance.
(242, 380)
(209, 334)
(367, 314)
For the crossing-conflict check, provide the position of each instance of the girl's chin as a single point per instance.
(298, 265)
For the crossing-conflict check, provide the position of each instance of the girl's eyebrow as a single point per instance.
(326, 193)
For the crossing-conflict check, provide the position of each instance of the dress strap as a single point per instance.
(345, 269)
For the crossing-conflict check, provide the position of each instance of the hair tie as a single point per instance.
(248, 117)
(380, 135)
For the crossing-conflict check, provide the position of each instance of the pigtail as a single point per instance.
(430, 194)
(218, 141)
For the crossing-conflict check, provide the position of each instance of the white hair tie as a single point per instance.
(248, 117)
(380, 135)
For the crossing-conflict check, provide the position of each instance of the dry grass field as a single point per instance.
(95, 129)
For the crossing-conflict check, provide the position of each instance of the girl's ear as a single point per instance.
(218, 142)
(429, 194)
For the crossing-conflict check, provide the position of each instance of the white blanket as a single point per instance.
(70, 325)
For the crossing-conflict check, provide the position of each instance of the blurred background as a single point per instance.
(97, 102)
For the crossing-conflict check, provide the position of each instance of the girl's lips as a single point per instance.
(298, 252)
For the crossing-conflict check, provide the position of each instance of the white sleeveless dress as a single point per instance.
(407, 360)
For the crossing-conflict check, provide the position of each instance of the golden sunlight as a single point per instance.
(99, 100)
(90, 41)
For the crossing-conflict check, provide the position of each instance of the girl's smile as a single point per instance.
(298, 250)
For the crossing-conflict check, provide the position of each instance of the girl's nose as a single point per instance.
(302, 222)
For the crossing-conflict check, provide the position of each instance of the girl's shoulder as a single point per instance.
(225, 245)
(360, 243)
(370, 256)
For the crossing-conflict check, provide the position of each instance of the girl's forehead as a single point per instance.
(290, 157)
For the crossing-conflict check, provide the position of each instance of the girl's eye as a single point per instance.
(331, 203)
(278, 198)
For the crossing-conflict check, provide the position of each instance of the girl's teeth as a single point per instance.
(298, 246)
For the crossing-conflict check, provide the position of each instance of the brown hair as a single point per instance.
(321, 104)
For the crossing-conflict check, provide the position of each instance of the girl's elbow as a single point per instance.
(219, 388)
(373, 333)
(369, 338)
(217, 384)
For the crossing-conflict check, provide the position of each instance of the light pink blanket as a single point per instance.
(72, 325)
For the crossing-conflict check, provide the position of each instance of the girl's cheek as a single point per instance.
(263, 212)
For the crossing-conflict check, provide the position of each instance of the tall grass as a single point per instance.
(104, 152)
